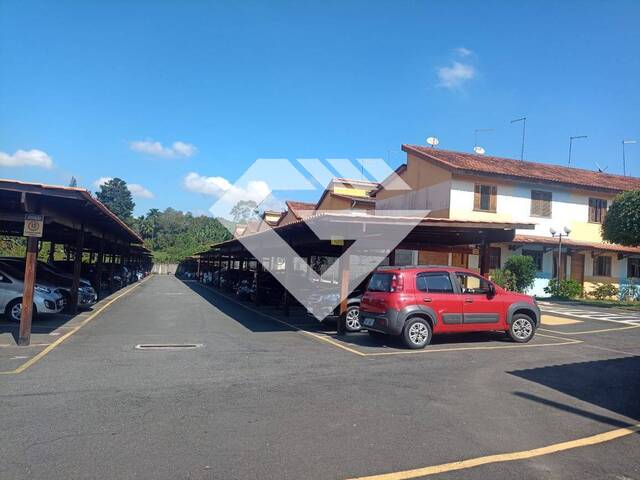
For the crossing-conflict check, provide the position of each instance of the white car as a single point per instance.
(46, 298)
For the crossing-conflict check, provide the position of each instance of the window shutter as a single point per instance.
(493, 198)
(535, 203)
(476, 197)
(546, 204)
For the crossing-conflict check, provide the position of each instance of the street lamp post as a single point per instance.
(624, 160)
(566, 233)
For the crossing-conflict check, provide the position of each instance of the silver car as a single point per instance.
(46, 298)
(60, 280)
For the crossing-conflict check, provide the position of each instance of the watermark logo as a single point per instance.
(346, 244)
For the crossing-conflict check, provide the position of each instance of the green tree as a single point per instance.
(622, 221)
(243, 211)
(117, 197)
(524, 270)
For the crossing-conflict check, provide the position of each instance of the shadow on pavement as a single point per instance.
(613, 384)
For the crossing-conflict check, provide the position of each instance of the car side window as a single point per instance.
(436, 282)
(472, 284)
(4, 279)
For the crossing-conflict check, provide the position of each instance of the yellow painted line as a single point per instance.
(584, 332)
(58, 341)
(551, 320)
(506, 457)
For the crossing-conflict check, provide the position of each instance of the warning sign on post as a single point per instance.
(33, 225)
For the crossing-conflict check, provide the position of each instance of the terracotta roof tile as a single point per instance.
(301, 210)
(610, 247)
(522, 169)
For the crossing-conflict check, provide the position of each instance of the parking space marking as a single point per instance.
(585, 332)
(290, 325)
(432, 349)
(61, 339)
(551, 320)
(326, 337)
(506, 457)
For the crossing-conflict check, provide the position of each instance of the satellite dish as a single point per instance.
(600, 169)
(433, 141)
(479, 150)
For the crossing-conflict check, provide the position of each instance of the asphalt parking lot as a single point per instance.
(262, 396)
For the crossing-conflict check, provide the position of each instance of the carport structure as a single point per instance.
(433, 234)
(75, 219)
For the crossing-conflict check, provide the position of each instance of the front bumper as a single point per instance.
(49, 304)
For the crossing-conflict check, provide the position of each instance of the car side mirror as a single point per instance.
(491, 292)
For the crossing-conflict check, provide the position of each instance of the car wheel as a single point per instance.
(417, 333)
(522, 328)
(14, 310)
(352, 319)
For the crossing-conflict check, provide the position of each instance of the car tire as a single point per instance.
(12, 312)
(522, 328)
(352, 319)
(417, 333)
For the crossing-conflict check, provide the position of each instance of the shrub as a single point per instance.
(604, 291)
(505, 278)
(524, 270)
(563, 289)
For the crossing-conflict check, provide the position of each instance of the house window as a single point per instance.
(536, 255)
(597, 210)
(540, 204)
(633, 268)
(484, 199)
(602, 266)
(495, 254)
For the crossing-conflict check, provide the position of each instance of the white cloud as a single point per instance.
(101, 181)
(456, 75)
(255, 190)
(177, 149)
(26, 158)
(463, 52)
(137, 190)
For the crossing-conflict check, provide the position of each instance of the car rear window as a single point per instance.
(436, 282)
(380, 282)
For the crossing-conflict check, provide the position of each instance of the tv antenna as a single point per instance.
(600, 169)
(433, 141)
(571, 139)
(524, 126)
(624, 160)
(479, 130)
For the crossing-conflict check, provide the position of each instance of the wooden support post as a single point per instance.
(286, 296)
(344, 291)
(392, 258)
(484, 258)
(98, 270)
(258, 275)
(24, 337)
(111, 264)
(52, 251)
(77, 267)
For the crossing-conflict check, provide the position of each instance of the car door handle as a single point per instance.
(468, 300)
(427, 299)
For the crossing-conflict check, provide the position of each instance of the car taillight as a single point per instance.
(397, 283)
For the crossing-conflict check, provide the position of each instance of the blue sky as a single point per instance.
(87, 88)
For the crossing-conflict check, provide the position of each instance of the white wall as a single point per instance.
(435, 197)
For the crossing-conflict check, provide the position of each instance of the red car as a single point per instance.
(417, 302)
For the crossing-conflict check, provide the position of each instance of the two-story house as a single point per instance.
(468, 186)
